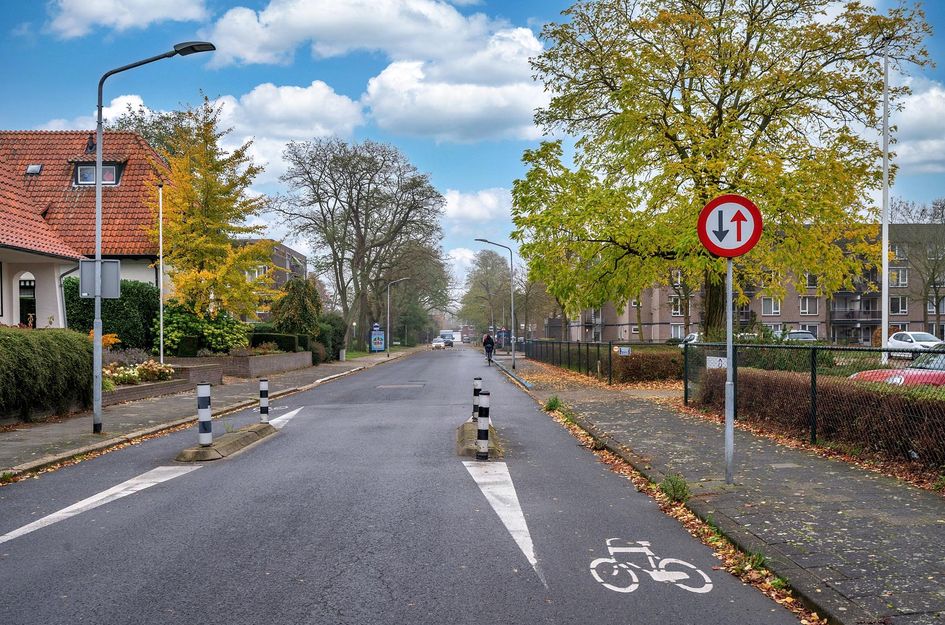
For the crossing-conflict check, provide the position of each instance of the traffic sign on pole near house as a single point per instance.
(729, 226)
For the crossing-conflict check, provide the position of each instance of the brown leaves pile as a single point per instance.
(732, 560)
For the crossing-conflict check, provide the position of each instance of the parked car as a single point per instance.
(928, 369)
(796, 335)
(912, 341)
(447, 337)
(467, 339)
(438, 343)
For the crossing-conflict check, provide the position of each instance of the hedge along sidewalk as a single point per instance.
(32, 446)
(856, 546)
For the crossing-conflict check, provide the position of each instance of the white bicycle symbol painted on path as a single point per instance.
(619, 576)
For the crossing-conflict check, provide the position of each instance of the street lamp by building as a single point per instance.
(182, 49)
(514, 329)
(387, 327)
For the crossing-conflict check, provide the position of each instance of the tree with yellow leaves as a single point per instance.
(206, 206)
(677, 101)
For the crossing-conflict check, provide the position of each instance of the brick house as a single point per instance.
(47, 215)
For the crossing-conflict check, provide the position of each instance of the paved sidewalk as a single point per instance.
(865, 549)
(32, 445)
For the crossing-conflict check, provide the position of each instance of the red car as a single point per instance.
(927, 369)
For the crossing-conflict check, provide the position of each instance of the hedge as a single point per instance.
(319, 354)
(648, 365)
(131, 316)
(900, 423)
(285, 342)
(332, 334)
(44, 370)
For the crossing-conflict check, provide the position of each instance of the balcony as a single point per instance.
(853, 315)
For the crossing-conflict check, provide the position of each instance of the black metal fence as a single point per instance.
(612, 361)
(860, 400)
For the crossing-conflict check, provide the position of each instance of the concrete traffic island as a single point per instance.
(466, 436)
(228, 444)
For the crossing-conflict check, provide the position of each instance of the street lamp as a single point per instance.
(514, 328)
(387, 327)
(182, 49)
(161, 269)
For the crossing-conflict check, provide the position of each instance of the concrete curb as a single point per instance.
(466, 435)
(526, 385)
(39, 463)
(228, 444)
(812, 592)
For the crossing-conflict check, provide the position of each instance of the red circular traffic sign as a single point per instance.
(729, 225)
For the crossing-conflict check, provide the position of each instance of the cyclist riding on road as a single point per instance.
(488, 344)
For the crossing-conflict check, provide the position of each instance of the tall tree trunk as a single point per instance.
(640, 319)
(714, 307)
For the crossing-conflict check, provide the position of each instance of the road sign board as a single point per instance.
(729, 225)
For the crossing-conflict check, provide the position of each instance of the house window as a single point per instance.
(676, 330)
(677, 305)
(931, 305)
(810, 327)
(898, 305)
(770, 306)
(85, 174)
(811, 280)
(774, 327)
(899, 276)
(899, 251)
(809, 305)
(677, 277)
(635, 303)
(899, 327)
(634, 329)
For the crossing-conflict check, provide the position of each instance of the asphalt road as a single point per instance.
(359, 511)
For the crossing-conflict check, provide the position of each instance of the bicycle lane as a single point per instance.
(573, 505)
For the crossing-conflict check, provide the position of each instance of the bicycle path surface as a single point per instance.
(864, 548)
(360, 511)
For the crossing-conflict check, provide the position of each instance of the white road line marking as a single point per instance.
(145, 480)
(279, 422)
(496, 484)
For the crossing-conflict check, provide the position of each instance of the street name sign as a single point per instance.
(729, 225)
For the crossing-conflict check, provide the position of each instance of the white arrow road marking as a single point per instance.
(496, 484)
(145, 480)
(279, 422)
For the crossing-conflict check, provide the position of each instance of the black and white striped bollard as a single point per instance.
(482, 433)
(264, 400)
(477, 388)
(204, 424)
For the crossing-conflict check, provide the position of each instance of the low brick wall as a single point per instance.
(209, 372)
(141, 391)
(250, 366)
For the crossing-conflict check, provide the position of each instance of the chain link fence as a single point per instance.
(613, 362)
(858, 400)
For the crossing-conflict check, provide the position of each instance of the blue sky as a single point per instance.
(447, 82)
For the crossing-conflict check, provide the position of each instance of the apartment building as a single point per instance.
(847, 317)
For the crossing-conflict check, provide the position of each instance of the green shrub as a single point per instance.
(44, 370)
(219, 334)
(132, 317)
(900, 423)
(553, 403)
(332, 333)
(782, 359)
(319, 354)
(675, 488)
(286, 342)
(297, 310)
(305, 342)
(264, 326)
(646, 365)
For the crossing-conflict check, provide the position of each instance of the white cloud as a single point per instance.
(111, 110)
(403, 99)
(400, 28)
(461, 260)
(484, 205)
(921, 130)
(74, 18)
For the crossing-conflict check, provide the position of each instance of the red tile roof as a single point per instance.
(21, 225)
(70, 209)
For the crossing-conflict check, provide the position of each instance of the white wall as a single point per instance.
(49, 304)
(139, 270)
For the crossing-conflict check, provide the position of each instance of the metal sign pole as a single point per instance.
(729, 382)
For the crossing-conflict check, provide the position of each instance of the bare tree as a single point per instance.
(918, 235)
(362, 206)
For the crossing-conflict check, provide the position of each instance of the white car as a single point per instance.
(796, 335)
(438, 343)
(912, 341)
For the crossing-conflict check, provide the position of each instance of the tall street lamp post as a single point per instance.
(161, 269)
(514, 328)
(387, 327)
(183, 49)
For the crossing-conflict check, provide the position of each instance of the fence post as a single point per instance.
(735, 381)
(610, 362)
(598, 360)
(587, 359)
(569, 355)
(685, 384)
(204, 424)
(813, 395)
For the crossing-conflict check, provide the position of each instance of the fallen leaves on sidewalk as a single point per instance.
(741, 565)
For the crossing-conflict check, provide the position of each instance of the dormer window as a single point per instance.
(85, 174)
(34, 169)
